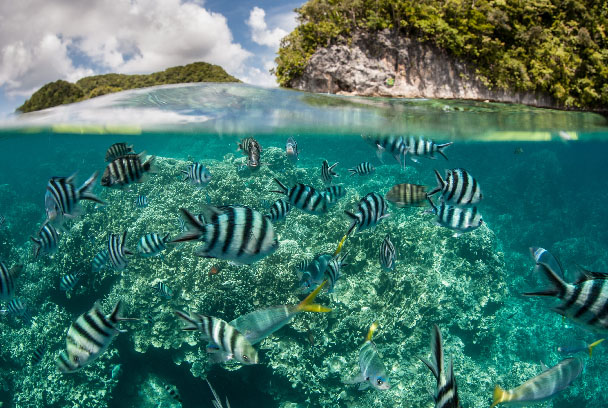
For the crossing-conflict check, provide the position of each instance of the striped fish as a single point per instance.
(152, 244)
(222, 335)
(394, 145)
(163, 290)
(141, 201)
(89, 337)
(18, 308)
(446, 393)
(372, 209)
(117, 251)
(100, 260)
(198, 174)
(585, 301)
(332, 273)
(460, 219)
(327, 172)
(46, 243)
(314, 273)
(542, 387)
(232, 233)
(302, 265)
(334, 193)
(118, 150)
(372, 370)
(278, 210)
(404, 195)
(304, 197)
(127, 169)
(7, 280)
(459, 187)
(62, 198)
(362, 169)
(38, 354)
(387, 254)
(2, 220)
(425, 148)
(248, 145)
(69, 281)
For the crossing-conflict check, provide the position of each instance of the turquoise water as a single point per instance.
(540, 189)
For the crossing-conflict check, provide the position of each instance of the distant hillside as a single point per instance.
(61, 92)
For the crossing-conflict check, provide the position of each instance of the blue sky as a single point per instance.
(45, 40)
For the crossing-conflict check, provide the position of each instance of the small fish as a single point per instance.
(404, 195)
(141, 201)
(518, 150)
(18, 308)
(222, 335)
(460, 219)
(89, 336)
(173, 392)
(579, 347)
(394, 145)
(2, 220)
(542, 387)
(7, 280)
(116, 370)
(69, 281)
(198, 174)
(334, 193)
(565, 136)
(217, 403)
(128, 169)
(100, 260)
(291, 149)
(387, 254)
(38, 354)
(372, 210)
(214, 270)
(163, 290)
(425, 148)
(327, 172)
(541, 255)
(117, 251)
(446, 393)
(62, 198)
(459, 188)
(118, 150)
(46, 243)
(278, 211)
(252, 150)
(362, 169)
(332, 273)
(314, 274)
(301, 266)
(304, 197)
(372, 370)
(152, 244)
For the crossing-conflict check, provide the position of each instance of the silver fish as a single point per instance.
(38, 354)
(394, 145)
(460, 219)
(334, 193)
(46, 243)
(332, 273)
(152, 244)
(278, 210)
(387, 254)
(291, 149)
(446, 392)
(100, 260)
(141, 201)
(314, 274)
(198, 174)
(425, 148)
(163, 290)
(69, 281)
(372, 370)
(579, 347)
(541, 255)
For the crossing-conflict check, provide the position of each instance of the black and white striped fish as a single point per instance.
(234, 233)
(18, 308)
(128, 169)
(387, 254)
(222, 335)
(304, 197)
(362, 169)
(141, 201)
(425, 148)
(117, 251)
(198, 174)
(46, 243)
(332, 273)
(394, 145)
(62, 198)
(2, 220)
(372, 209)
(100, 260)
(406, 194)
(446, 393)
(118, 150)
(248, 144)
(334, 193)
(7, 280)
(278, 210)
(89, 337)
(38, 354)
(327, 172)
(163, 290)
(301, 266)
(152, 244)
(460, 219)
(69, 281)
(459, 187)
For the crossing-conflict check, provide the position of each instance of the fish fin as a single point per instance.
(331, 168)
(415, 159)
(307, 306)
(584, 274)
(283, 188)
(355, 380)
(443, 146)
(380, 153)
(116, 314)
(499, 396)
(354, 222)
(191, 324)
(384, 216)
(433, 209)
(195, 228)
(436, 352)
(363, 386)
(592, 345)
(440, 184)
(558, 286)
(85, 193)
(371, 331)
(149, 165)
(352, 172)
(543, 366)
(37, 247)
(339, 248)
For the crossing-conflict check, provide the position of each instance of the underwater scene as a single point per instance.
(301, 250)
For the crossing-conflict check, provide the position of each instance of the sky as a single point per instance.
(45, 40)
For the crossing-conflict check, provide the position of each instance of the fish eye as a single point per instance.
(245, 358)
(379, 381)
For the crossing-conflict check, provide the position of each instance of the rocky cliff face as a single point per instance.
(384, 64)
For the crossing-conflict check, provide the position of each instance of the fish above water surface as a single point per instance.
(406, 194)
(372, 210)
(446, 392)
(372, 370)
(542, 387)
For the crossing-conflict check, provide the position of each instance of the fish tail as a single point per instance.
(283, 189)
(149, 165)
(592, 345)
(436, 362)
(499, 396)
(371, 331)
(433, 209)
(85, 193)
(37, 246)
(352, 172)
(440, 184)
(191, 324)
(195, 230)
(558, 286)
(354, 222)
(307, 306)
(185, 175)
(443, 146)
(339, 248)
(116, 314)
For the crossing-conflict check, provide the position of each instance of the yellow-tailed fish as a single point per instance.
(339, 248)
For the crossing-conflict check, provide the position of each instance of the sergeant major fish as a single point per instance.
(117, 251)
(118, 150)
(163, 290)
(372, 210)
(46, 243)
(304, 197)
(38, 354)
(128, 169)
(404, 195)
(327, 172)
(333, 194)
(459, 219)
(425, 148)
(7, 280)
(387, 254)
(17, 307)
(395, 145)
(362, 169)
(198, 174)
(152, 244)
(69, 281)
(278, 210)
(99, 260)
(141, 201)
(332, 272)
(446, 393)
(459, 188)
(372, 368)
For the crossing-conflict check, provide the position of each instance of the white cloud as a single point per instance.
(260, 33)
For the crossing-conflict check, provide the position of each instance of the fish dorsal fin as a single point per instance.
(585, 275)
(307, 306)
(543, 367)
(209, 211)
(16, 270)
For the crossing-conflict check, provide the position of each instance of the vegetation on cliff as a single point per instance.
(60, 92)
(559, 47)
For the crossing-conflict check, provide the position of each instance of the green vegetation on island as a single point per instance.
(61, 92)
(559, 47)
